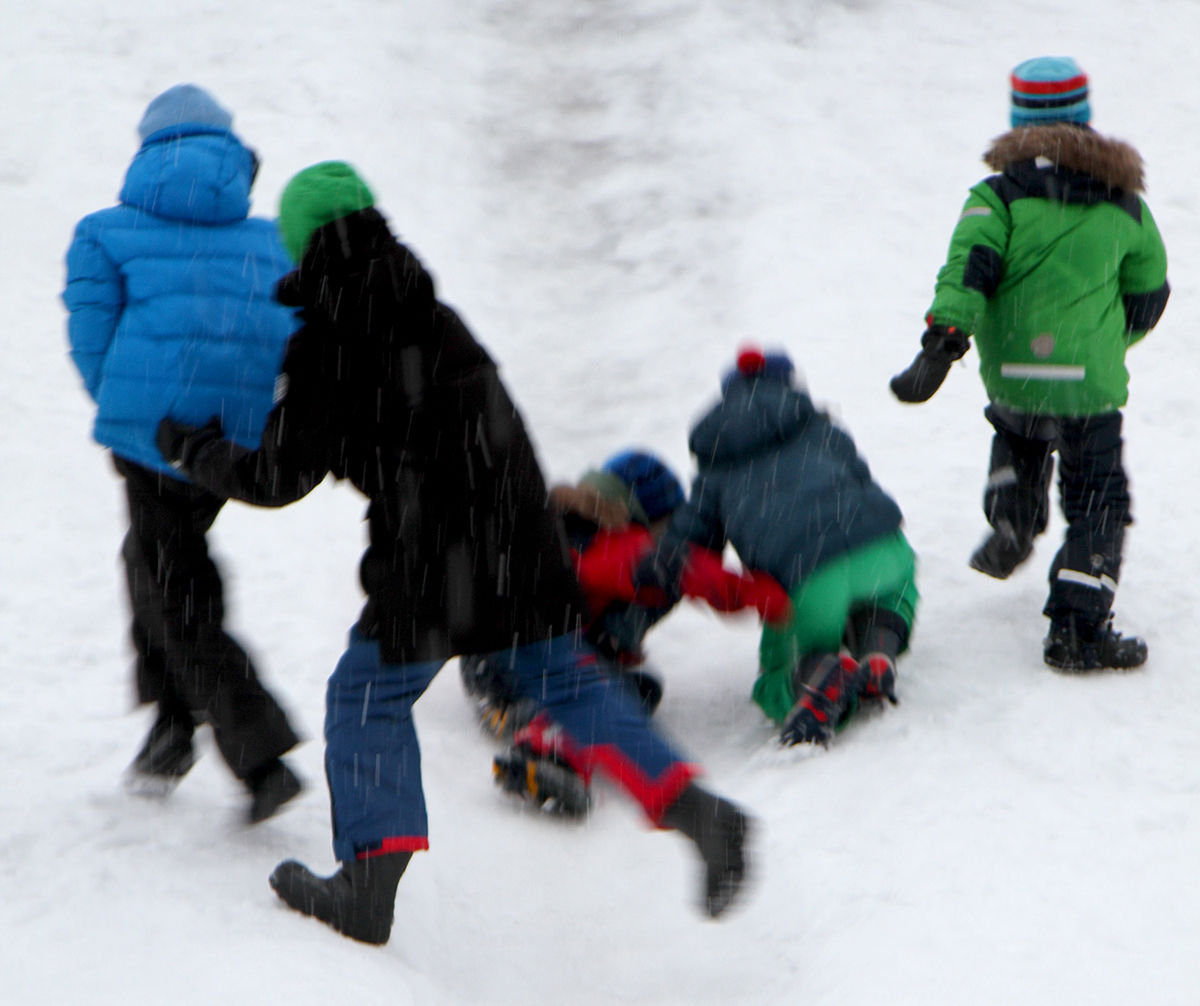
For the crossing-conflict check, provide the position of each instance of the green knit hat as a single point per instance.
(316, 196)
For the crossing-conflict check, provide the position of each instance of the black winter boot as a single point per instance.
(166, 756)
(826, 686)
(545, 782)
(1001, 552)
(720, 832)
(271, 786)
(877, 637)
(358, 901)
(1075, 645)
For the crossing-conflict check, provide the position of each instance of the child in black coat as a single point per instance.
(385, 386)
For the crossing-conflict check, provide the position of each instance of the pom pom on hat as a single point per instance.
(181, 106)
(752, 362)
(1049, 89)
(654, 491)
(316, 196)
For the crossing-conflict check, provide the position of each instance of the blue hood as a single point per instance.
(195, 174)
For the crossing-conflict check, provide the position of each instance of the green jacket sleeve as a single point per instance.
(975, 262)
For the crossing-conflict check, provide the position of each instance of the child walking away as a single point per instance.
(1055, 268)
(171, 310)
(613, 517)
(778, 481)
(384, 386)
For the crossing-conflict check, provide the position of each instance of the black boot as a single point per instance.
(720, 832)
(358, 901)
(271, 786)
(166, 756)
(546, 782)
(1074, 644)
(1001, 552)
(826, 687)
(879, 636)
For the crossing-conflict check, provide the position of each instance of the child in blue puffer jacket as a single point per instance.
(787, 489)
(171, 314)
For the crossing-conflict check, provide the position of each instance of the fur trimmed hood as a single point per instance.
(1112, 162)
(590, 504)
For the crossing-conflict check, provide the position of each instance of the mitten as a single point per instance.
(179, 442)
(765, 594)
(704, 577)
(941, 345)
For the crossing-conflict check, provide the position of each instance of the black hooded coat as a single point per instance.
(385, 386)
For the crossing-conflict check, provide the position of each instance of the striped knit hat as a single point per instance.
(1049, 89)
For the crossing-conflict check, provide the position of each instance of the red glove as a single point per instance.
(705, 578)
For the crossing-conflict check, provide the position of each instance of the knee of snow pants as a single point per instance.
(372, 759)
(1022, 460)
(592, 722)
(1097, 507)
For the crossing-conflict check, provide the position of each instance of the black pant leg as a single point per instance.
(1096, 503)
(184, 656)
(1022, 461)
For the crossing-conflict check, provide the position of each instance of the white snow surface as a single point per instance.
(616, 194)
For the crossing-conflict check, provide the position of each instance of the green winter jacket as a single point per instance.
(1056, 267)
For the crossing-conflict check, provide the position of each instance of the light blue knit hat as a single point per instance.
(1049, 89)
(180, 106)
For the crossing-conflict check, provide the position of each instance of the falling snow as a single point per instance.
(615, 193)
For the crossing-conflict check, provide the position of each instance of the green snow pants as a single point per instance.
(881, 574)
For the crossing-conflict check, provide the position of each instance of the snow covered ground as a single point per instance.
(615, 194)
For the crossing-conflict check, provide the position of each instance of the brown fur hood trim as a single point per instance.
(1113, 162)
(590, 504)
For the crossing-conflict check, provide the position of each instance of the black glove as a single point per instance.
(662, 568)
(941, 345)
(179, 442)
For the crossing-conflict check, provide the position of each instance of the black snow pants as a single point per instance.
(1093, 492)
(185, 661)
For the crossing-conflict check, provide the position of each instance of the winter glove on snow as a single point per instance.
(179, 442)
(941, 345)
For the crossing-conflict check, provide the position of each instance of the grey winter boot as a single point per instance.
(358, 901)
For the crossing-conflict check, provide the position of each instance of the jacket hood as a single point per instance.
(195, 175)
(754, 415)
(1071, 148)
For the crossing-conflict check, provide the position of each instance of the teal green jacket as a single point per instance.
(1056, 267)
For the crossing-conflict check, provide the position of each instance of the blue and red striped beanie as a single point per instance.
(1049, 89)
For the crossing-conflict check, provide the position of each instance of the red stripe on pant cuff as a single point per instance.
(400, 843)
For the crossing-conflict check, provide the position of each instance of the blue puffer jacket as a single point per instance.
(779, 482)
(170, 296)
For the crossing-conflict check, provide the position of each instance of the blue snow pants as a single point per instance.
(373, 760)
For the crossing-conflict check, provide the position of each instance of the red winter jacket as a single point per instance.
(606, 568)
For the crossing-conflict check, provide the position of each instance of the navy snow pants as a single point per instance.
(373, 760)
